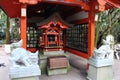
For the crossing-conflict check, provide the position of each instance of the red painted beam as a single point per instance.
(32, 2)
(115, 3)
(104, 4)
(11, 8)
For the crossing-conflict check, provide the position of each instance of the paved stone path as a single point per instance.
(4, 70)
(77, 71)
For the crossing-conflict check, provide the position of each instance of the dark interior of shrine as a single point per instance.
(44, 10)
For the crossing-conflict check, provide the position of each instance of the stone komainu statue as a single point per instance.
(106, 50)
(117, 50)
(21, 57)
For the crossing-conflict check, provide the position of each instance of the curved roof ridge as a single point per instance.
(52, 18)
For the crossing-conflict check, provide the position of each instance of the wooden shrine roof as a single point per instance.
(55, 18)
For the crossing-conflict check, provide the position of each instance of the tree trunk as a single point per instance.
(7, 32)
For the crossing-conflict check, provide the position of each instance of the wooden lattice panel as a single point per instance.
(77, 37)
(33, 34)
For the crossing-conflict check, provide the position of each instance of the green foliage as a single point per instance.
(116, 33)
(2, 14)
(3, 24)
(108, 23)
(15, 35)
(5, 35)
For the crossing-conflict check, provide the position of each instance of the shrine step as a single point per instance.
(57, 71)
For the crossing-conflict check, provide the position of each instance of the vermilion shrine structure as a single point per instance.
(53, 28)
(54, 33)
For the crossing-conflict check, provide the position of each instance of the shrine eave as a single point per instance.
(13, 7)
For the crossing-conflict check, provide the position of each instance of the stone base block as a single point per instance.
(27, 78)
(100, 63)
(100, 73)
(57, 71)
(43, 66)
(21, 72)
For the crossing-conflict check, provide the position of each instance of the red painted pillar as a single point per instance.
(23, 25)
(57, 39)
(91, 29)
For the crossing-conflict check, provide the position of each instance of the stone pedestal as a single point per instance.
(27, 78)
(44, 60)
(57, 71)
(25, 73)
(100, 69)
(43, 64)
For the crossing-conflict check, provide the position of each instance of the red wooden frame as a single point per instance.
(91, 29)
